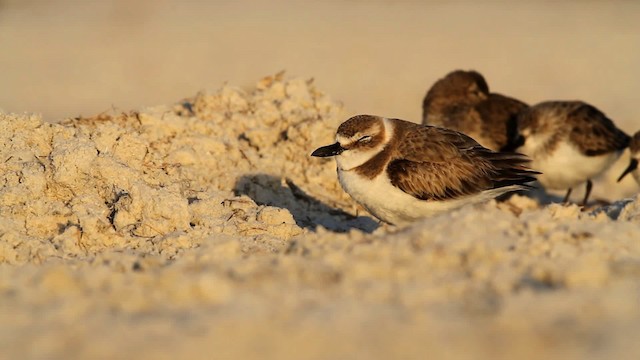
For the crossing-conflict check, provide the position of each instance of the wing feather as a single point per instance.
(440, 164)
(594, 132)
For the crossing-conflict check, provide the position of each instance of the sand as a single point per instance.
(204, 229)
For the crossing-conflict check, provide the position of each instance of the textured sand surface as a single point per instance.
(204, 230)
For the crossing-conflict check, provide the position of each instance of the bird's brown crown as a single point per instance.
(361, 131)
(460, 83)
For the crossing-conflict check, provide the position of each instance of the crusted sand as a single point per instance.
(205, 230)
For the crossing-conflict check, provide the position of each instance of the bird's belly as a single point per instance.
(566, 167)
(392, 205)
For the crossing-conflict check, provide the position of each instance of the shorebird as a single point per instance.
(461, 101)
(570, 142)
(401, 171)
(634, 149)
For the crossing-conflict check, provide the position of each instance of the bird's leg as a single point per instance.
(587, 192)
(566, 197)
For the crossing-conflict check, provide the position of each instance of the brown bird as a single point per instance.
(634, 149)
(401, 171)
(461, 101)
(570, 142)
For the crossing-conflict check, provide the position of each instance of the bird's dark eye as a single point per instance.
(364, 139)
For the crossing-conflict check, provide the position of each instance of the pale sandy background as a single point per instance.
(65, 58)
(210, 233)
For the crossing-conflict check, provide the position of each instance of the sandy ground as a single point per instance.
(203, 229)
(66, 58)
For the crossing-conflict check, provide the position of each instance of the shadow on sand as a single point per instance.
(307, 211)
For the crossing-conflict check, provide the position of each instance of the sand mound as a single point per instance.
(204, 229)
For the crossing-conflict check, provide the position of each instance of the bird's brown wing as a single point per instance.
(434, 163)
(593, 132)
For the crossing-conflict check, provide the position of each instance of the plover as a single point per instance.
(401, 171)
(634, 149)
(570, 142)
(461, 101)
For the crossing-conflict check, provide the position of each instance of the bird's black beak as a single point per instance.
(632, 166)
(329, 150)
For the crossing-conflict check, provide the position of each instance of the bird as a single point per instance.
(461, 101)
(401, 171)
(634, 149)
(570, 142)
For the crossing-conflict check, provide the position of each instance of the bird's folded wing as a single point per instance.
(594, 132)
(440, 164)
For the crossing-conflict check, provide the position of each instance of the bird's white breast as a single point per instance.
(566, 166)
(394, 206)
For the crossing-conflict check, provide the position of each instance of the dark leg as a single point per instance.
(588, 192)
(566, 197)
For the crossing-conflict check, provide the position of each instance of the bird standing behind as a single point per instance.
(570, 142)
(634, 149)
(461, 101)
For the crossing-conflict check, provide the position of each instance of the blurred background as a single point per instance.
(65, 58)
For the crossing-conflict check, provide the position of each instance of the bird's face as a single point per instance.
(632, 168)
(634, 149)
(357, 140)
